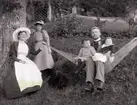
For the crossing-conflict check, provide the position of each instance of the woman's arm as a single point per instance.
(32, 50)
(46, 37)
(13, 53)
(46, 40)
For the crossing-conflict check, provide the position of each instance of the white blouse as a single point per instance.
(22, 51)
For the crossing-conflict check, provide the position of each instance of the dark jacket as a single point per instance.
(97, 44)
(14, 48)
(108, 48)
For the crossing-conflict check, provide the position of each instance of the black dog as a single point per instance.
(58, 80)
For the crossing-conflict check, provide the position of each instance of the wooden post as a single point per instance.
(74, 10)
(49, 11)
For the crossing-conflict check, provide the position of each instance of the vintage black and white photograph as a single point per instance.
(68, 52)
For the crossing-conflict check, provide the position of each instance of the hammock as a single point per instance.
(119, 55)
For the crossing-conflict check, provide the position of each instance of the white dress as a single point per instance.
(99, 57)
(27, 74)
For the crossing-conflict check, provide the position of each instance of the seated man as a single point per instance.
(95, 70)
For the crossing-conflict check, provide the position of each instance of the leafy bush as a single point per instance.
(8, 6)
(120, 35)
(69, 26)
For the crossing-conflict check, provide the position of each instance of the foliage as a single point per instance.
(106, 8)
(8, 6)
(109, 8)
(69, 26)
(100, 8)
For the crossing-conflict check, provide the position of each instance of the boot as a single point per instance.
(89, 87)
(100, 87)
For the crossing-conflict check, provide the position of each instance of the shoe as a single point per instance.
(100, 87)
(89, 87)
(89, 90)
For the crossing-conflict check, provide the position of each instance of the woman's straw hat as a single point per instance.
(16, 32)
(39, 22)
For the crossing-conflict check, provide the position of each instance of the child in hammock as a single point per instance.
(108, 49)
(106, 52)
(85, 52)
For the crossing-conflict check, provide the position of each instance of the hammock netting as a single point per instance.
(119, 55)
(60, 80)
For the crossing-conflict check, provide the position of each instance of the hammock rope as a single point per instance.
(66, 55)
(119, 55)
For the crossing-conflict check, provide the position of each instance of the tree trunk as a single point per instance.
(22, 12)
(30, 12)
(8, 23)
(49, 11)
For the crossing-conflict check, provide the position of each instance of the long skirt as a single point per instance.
(44, 59)
(22, 79)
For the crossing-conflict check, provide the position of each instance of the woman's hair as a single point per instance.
(21, 32)
(37, 24)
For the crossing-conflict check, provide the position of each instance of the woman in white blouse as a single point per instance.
(23, 75)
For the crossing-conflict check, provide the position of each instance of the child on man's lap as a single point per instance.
(85, 52)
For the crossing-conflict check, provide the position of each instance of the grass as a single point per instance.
(112, 24)
(119, 89)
